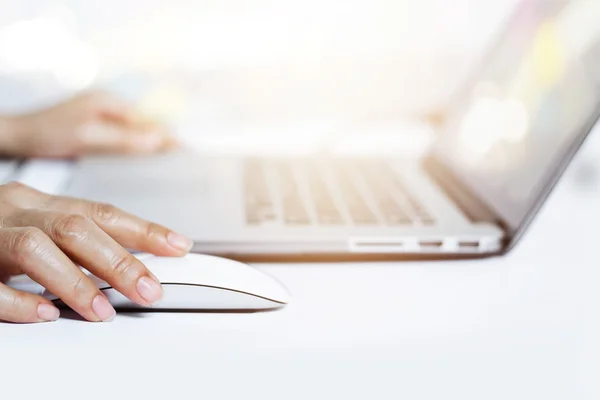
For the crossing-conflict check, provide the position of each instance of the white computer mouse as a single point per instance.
(193, 282)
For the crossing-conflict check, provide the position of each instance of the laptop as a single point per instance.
(506, 141)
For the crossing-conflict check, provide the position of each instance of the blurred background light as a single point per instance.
(48, 44)
(516, 119)
(252, 72)
(490, 120)
(482, 126)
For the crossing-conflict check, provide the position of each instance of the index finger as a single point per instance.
(123, 112)
(114, 108)
(103, 137)
(128, 230)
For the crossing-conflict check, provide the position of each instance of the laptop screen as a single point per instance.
(537, 91)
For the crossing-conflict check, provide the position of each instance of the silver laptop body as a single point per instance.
(473, 196)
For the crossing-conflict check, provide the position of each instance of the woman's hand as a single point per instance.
(90, 123)
(46, 237)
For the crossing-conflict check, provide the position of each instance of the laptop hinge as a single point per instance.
(473, 207)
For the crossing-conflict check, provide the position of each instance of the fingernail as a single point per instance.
(46, 312)
(179, 242)
(149, 289)
(103, 309)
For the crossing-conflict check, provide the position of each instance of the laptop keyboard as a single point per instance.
(326, 210)
(294, 211)
(391, 210)
(347, 178)
(330, 193)
(259, 203)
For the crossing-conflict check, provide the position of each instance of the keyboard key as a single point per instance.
(324, 206)
(359, 210)
(294, 210)
(418, 210)
(388, 206)
(259, 205)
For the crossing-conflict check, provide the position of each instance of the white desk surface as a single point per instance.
(525, 326)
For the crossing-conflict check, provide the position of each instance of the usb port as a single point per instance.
(431, 244)
(469, 245)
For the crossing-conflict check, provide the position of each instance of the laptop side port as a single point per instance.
(431, 244)
(469, 245)
(382, 245)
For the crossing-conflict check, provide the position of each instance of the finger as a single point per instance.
(128, 230)
(145, 127)
(121, 111)
(45, 263)
(172, 143)
(111, 107)
(88, 245)
(115, 118)
(125, 116)
(22, 307)
(103, 137)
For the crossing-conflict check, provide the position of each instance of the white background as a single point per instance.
(521, 327)
(391, 55)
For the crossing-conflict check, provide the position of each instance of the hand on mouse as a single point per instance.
(89, 123)
(45, 236)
